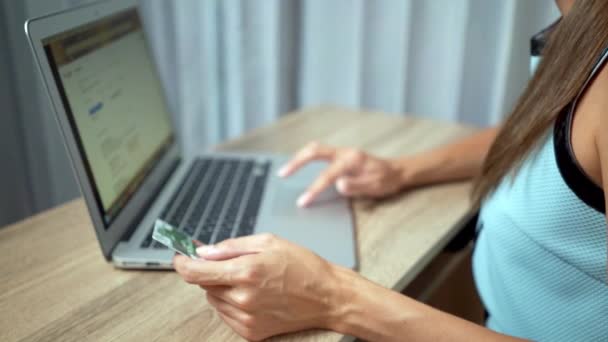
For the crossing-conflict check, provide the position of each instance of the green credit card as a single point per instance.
(174, 239)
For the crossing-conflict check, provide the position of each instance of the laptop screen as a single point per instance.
(115, 104)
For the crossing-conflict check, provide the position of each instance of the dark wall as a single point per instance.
(35, 173)
(15, 195)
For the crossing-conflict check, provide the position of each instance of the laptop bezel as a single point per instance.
(39, 29)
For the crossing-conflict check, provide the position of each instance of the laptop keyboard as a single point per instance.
(218, 199)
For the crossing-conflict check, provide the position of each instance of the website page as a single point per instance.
(117, 104)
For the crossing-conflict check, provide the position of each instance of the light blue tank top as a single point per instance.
(540, 260)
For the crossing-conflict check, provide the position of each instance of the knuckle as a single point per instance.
(346, 186)
(249, 321)
(244, 300)
(250, 274)
(356, 156)
(190, 279)
(232, 270)
(267, 239)
(188, 274)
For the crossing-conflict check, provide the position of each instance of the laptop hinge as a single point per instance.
(137, 220)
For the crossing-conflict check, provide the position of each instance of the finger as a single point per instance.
(234, 324)
(312, 151)
(356, 186)
(212, 287)
(228, 309)
(235, 296)
(198, 243)
(233, 248)
(204, 272)
(327, 178)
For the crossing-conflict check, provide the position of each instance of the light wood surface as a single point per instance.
(56, 286)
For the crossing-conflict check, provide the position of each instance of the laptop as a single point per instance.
(109, 103)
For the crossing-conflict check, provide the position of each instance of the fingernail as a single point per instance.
(282, 171)
(303, 200)
(207, 250)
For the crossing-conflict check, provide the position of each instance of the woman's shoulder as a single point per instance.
(601, 133)
(590, 129)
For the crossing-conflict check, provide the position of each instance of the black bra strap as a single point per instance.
(573, 174)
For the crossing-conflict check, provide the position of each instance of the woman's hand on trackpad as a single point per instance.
(353, 172)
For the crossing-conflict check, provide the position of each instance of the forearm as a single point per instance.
(456, 161)
(373, 313)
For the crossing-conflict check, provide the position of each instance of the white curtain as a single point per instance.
(231, 65)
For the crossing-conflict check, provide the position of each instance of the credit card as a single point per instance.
(174, 239)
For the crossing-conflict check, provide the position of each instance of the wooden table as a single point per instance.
(56, 286)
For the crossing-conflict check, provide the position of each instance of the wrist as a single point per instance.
(341, 298)
(420, 169)
(367, 310)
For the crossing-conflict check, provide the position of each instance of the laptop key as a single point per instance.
(219, 223)
(158, 245)
(205, 235)
(189, 230)
(245, 228)
(179, 213)
(202, 200)
(250, 213)
(190, 174)
(223, 234)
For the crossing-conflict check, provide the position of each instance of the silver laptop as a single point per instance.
(105, 90)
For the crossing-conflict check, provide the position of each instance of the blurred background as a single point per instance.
(232, 65)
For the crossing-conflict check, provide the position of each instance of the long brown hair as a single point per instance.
(569, 57)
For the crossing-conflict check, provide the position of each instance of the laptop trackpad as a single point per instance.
(286, 196)
(325, 226)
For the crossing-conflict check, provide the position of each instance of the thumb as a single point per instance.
(231, 248)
